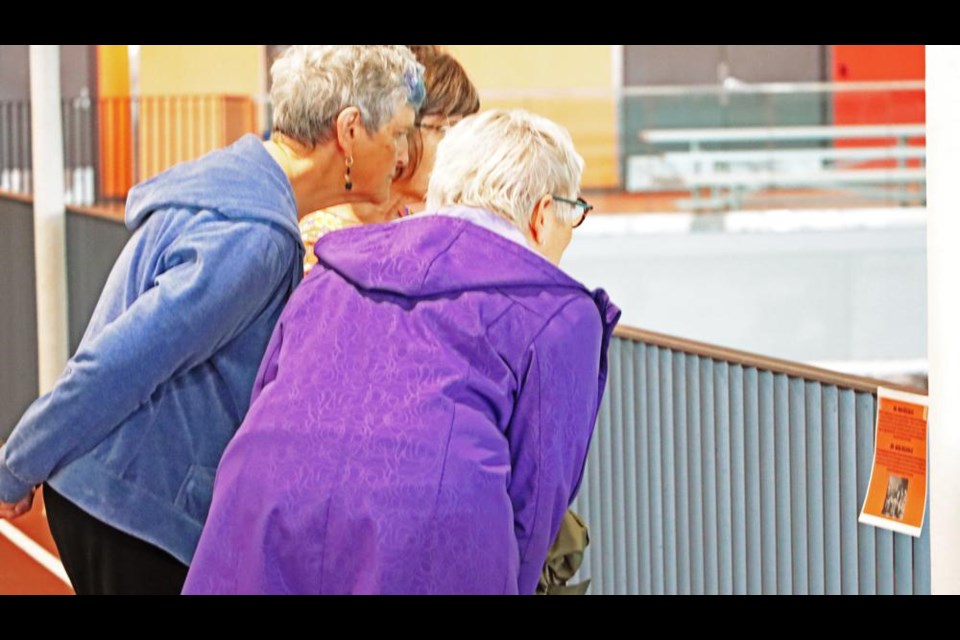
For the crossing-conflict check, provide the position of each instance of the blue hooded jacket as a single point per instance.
(134, 428)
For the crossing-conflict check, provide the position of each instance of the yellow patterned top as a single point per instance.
(313, 227)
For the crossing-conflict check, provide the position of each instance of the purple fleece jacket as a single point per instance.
(419, 423)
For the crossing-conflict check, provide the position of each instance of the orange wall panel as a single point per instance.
(863, 62)
(879, 62)
(114, 121)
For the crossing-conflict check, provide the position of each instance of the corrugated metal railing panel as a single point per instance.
(657, 478)
(682, 472)
(849, 504)
(832, 545)
(707, 476)
(866, 535)
(633, 467)
(768, 483)
(798, 489)
(738, 482)
(753, 482)
(669, 470)
(781, 464)
(697, 534)
(708, 457)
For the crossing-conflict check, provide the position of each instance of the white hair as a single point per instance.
(505, 160)
(312, 84)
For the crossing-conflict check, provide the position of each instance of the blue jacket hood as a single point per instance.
(220, 181)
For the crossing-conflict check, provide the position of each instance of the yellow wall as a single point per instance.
(526, 66)
(113, 70)
(591, 120)
(201, 69)
(175, 126)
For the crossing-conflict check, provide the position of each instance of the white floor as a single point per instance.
(845, 288)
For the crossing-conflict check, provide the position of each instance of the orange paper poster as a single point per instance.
(897, 494)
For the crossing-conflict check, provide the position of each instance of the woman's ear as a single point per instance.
(538, 219)
(347, 122)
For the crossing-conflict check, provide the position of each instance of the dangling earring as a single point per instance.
(348, 184)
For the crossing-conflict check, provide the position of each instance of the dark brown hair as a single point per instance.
(449, 93)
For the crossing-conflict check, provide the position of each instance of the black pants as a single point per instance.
(101, 560)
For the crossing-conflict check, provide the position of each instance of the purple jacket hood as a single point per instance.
(434, 255)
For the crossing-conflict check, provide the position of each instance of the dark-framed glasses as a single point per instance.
(584, 206)
(439, 128)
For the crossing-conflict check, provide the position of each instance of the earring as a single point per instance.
(348, 184)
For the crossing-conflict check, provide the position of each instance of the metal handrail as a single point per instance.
(766, 363)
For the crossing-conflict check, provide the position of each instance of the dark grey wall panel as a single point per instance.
(672, 65)
(679, 64)
(776, 62)
(14, 71)
(77, 67)
(18, 313)
(93, 245)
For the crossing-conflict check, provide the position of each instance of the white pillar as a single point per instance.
(943, 328)
(49, 216)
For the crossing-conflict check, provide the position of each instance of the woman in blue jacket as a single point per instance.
(128, 439)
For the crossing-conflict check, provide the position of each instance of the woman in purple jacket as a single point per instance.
(421, 418)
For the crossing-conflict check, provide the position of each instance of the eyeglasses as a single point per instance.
(439, 128)
(579, 202)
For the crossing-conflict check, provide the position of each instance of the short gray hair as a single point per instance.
(505, 160)
(312, 84)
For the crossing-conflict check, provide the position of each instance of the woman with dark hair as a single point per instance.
(450, 96)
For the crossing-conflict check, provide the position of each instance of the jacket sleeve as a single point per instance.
(270, 363)
(550, 430)
(212, 282)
